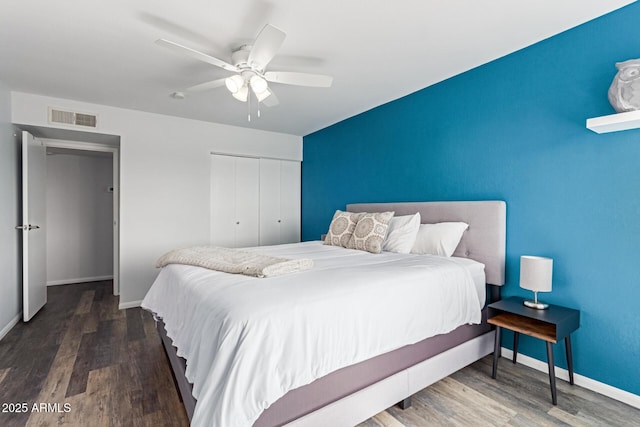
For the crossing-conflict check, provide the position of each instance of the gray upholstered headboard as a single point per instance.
(484, 240)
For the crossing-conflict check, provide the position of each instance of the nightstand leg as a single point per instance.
(516, 335)
(552, 373)
(496, 353)
(567, 344)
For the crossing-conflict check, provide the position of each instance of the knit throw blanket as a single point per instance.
(234, 261)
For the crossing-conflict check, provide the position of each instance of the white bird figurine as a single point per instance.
(624, 92)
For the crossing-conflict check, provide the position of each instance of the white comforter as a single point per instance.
(248, 341)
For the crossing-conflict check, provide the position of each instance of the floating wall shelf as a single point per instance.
(615, 122)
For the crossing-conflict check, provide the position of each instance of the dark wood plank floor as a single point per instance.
(109, 367)
(107, 364)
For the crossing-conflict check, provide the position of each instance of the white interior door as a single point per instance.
(290, 188)
(269, 202)
(223, 201)
(247, 202)
(34, 240)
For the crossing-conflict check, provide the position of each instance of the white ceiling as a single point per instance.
(377, 50)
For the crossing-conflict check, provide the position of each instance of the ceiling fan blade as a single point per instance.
(298, 79)
(196, 54)
(206, 86)
(271, 100)
(265, 46)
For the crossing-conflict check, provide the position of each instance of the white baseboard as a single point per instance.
(80, 280)
(586, 382)
(130, 304)
(13, 322)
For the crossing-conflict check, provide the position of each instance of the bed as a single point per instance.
(372, 378)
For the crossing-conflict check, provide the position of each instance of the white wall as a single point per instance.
(79, 218)
(10, 276)
(164, 186)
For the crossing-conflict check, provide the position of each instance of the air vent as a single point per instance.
(73, 118)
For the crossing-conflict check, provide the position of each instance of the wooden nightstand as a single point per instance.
(550, 325)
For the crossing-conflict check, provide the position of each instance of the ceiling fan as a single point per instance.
(249, 63)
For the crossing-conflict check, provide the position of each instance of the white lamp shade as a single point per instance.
(234, 83)
(242, 94)
(258, 84)
(536, 273)
(263, 95)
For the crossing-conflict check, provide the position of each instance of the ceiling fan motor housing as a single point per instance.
(240, 57)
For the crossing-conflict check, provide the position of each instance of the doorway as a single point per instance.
(79, 223)
(82, 212)
(103, 148)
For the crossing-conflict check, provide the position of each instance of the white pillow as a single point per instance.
(439, 239)
(402, 233)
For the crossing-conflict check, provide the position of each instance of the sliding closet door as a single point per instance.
(223, 201)
(254, 201)
(269, 202)
(235, 195)
(247, 202)
(290, 203)
(279, 201)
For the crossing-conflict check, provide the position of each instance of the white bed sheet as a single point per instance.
(248, 341)
(476, 269)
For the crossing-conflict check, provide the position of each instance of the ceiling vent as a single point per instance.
(73, 118)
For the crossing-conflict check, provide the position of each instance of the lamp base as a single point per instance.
(536, 304)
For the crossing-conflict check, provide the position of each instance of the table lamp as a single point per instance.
(535, 275)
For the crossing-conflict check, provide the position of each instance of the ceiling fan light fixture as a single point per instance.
(234, 83)
(249, 64)
(258, 84)
(263, 95)
(242, 94)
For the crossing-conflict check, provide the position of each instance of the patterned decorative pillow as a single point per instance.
(370, 232)
(341, 228)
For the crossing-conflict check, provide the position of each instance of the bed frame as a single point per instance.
(351, 395)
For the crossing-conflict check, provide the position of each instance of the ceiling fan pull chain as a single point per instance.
(249, 107)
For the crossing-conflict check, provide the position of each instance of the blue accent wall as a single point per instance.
(514, 130)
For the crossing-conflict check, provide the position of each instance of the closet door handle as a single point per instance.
(237, 222)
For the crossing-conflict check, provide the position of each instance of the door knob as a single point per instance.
(27, 227)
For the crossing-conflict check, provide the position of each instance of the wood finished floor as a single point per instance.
(109, 367)
(107, 364)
